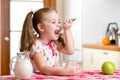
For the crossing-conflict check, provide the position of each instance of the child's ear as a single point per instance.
(40, 27)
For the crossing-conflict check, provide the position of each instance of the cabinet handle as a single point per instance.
(105, 53)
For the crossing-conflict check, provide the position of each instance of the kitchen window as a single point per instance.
(18, 12)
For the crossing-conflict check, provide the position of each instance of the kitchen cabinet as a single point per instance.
(93, 58)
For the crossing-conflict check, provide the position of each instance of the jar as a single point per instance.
(23, 68)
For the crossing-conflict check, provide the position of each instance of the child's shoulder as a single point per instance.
(36, 42)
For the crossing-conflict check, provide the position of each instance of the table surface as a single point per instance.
(85, 75)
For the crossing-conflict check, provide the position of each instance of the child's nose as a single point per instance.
(58, 25)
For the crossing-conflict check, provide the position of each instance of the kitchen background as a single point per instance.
(96, 16)
(92, 18)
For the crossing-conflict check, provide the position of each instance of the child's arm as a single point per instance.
(44, 69)
(69, 42)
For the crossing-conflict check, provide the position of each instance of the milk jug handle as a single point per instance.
(11, 62)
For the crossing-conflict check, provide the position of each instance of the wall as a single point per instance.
(96, 16)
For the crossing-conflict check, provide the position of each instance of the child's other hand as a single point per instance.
(68, 23)
(71, 69)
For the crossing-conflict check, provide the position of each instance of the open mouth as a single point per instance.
(57, 31)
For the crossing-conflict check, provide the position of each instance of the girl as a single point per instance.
(45, 47)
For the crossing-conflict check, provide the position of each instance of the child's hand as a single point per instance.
(72, 69)
(68, 23)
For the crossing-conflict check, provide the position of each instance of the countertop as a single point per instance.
(100, 46)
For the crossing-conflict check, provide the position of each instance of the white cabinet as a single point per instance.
(94, 58)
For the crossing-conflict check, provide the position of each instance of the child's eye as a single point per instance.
(59, 22)
(53, 22)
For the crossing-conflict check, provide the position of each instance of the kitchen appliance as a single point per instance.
(112, 33)
(119, 38)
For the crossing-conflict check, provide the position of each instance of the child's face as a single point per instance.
(51, 23)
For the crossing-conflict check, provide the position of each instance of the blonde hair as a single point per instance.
(27, 36)
(30, 25)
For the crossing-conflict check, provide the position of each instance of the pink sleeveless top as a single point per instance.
(49, 51)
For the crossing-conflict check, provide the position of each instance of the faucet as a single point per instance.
(112, 33)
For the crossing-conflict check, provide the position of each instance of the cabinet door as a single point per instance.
(105, 55)
(87, 58)
(94, 58)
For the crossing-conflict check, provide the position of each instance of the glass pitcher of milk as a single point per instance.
(22, 65)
